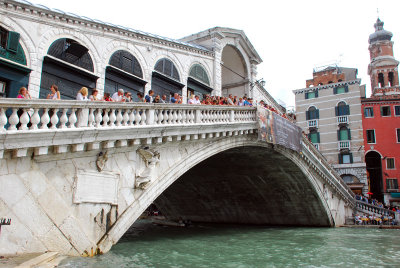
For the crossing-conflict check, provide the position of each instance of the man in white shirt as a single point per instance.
(119, 95)
(196, 100)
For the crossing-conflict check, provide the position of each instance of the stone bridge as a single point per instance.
(76, 175)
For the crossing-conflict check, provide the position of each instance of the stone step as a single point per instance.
(41, 259)
(53, 263)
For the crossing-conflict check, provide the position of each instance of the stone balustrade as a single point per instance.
(86, 125)
(326, 170)
(372, 209)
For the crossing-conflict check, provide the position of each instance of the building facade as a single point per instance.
(40, 46)
(381, 119)
(329, 111)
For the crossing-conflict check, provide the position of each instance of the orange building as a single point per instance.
(381, 119)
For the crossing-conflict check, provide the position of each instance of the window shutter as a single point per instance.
(316, 93)
(335, 90)
(396, 184)
(336, 111)
(13, 41)
(346, 88)
(351, 157)
(309, 136)
(306, 95)
(381, 111)
(347, 110)
(317, 114)
(349, 133)
(338, 135)
(318, 138)
(307, 115)
(340, 159)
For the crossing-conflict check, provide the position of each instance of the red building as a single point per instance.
(381, 119)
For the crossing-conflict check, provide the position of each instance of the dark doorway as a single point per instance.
(374, 169)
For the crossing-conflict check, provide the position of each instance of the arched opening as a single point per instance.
(221, 189)
(234, 72)
(342, 109)
(12, 76)
(69, 66)
(312, 113)
(374, 173)
(391, 79)
(381, 80)
(353, 182)
(198, 82)
(124, 71)
(344, 134)
(165, 79)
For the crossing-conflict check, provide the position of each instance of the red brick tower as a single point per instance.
(383, 66)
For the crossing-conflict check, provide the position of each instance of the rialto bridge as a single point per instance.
(76, 175)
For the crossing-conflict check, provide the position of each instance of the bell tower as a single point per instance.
(383, 67)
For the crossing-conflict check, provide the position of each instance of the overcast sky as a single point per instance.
(292, 37)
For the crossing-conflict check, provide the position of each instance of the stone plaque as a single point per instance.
(96, 187)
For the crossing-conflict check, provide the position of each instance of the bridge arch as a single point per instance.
(315, 190)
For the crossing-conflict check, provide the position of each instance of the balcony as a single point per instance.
(342, 119)
(344, 145)
(312, 123)
(316, 145)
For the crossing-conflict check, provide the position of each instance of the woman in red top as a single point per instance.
(107, 97)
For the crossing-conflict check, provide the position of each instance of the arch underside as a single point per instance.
(245, 185)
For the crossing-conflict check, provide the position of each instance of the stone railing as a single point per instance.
(327, 171)
(312, 123)
(342, 119)
(372, 209)
(48, 114)
(344, 145)
(37, 127)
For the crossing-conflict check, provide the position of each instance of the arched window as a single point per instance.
(165, 79)
(344, 134)
(198, 81)
(69, 66)
(381, 80)
(342, 109)
(124, 71)
(70, 51)
(391, 79)
(127, 62)
(165, 66)
(12, 76)
(348, 178)
(312, 113)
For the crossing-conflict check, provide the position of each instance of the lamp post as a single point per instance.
(261, 82)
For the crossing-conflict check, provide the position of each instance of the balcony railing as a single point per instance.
(344, 145)
(312, 123)
(316, 145)
(343, 119)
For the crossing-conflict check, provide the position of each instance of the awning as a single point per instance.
(395, 195)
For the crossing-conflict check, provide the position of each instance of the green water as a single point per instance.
(249, 246)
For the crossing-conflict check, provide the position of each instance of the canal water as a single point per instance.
(147, 245)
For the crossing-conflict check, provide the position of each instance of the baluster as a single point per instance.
(105, 118)
(160, 117)
(99, 117)
(137, 117)
(125, 117)
(213, 116)
(143, 115)
(45, 119)
(35, 119)
(193, 116)
(179, 117)
(170, 116)
(54, 119)
(13, 120)
(72, 118)
(24, 119)
(119, 118)
(3, 120)
(112, 118)
(91, 119)
(63, 118)
(185, 118)
(132, 117)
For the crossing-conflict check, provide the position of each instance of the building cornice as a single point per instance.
(322, 87)
(40, 11)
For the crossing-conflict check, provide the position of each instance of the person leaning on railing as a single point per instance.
(55, 93)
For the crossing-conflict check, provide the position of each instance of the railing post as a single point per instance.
(83, 117)
(197, 119)
(150, 116)
(231, 116)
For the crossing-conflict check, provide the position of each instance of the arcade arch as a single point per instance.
(234, 72)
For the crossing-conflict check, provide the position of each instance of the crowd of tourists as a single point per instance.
(375, 202)
(126, 96)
